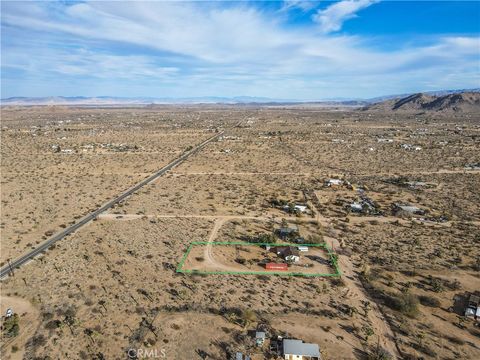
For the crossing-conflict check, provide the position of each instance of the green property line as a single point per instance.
(330, 253)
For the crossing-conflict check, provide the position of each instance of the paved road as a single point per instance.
(4, 271)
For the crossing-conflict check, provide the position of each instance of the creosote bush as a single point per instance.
(406, 303)
(430, 301)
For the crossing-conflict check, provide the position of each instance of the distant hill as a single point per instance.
(416, 102)
(463, 102)
(110, 100)
(150, 101)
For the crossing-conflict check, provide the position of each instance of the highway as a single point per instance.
(4, 271)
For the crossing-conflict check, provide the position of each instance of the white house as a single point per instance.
(334, 182)
(298, 350)
(301, 208)
(356, 207)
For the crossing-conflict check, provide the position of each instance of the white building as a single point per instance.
(298, 350)
(334, 182)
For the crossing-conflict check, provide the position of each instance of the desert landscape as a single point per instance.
(392, 193)
(240, 180)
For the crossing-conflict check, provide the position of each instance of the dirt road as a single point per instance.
(357, 293)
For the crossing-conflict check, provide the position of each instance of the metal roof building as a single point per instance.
(298, 350)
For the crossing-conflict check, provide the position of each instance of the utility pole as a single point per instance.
(10, 267)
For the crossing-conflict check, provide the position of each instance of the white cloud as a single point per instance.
(332, 18)
(201, 49)
(305, 5)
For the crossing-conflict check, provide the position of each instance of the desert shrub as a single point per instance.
(338, 281)
(455, 340)
(439, 285)
(425, 349)
(366, 273)
(474, 332)
(263, 277)
(262, 238)
(53, 324)
(47, 315)
(406, 303)
(10, 326)
(315, 239)
(248, 316)
(378, 353)
(430, 301)
(38, 341)
(436, 284)
(240, 260)
(453, 285)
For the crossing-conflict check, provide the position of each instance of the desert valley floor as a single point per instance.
(394, 196)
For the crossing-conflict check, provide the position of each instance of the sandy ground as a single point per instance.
(118, 274)
(28, 322)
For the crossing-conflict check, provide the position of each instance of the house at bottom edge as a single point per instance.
(298, 350)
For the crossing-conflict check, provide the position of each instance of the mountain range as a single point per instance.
(391, 102)
(462, 102)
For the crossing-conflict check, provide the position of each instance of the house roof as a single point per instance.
(409, 208)
(279, 249)
(288, 230)
(298, 347)
(356, 206)
(260, 335)
(239, 356)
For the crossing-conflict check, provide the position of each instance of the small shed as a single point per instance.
(334, 182)
(276, 266)
(259, 338)
(356, 207)
(240, 356)
(301, 208)
(408, 209)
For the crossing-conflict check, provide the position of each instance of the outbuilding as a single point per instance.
(334, 182)
(259, 338)
(276, 266)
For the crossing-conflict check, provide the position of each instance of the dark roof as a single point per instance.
(285, 250)
(287, 230)
(291, 251)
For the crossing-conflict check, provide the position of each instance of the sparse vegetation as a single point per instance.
(129, 293)
(10, 326)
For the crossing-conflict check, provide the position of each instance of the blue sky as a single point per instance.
(278, 49)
